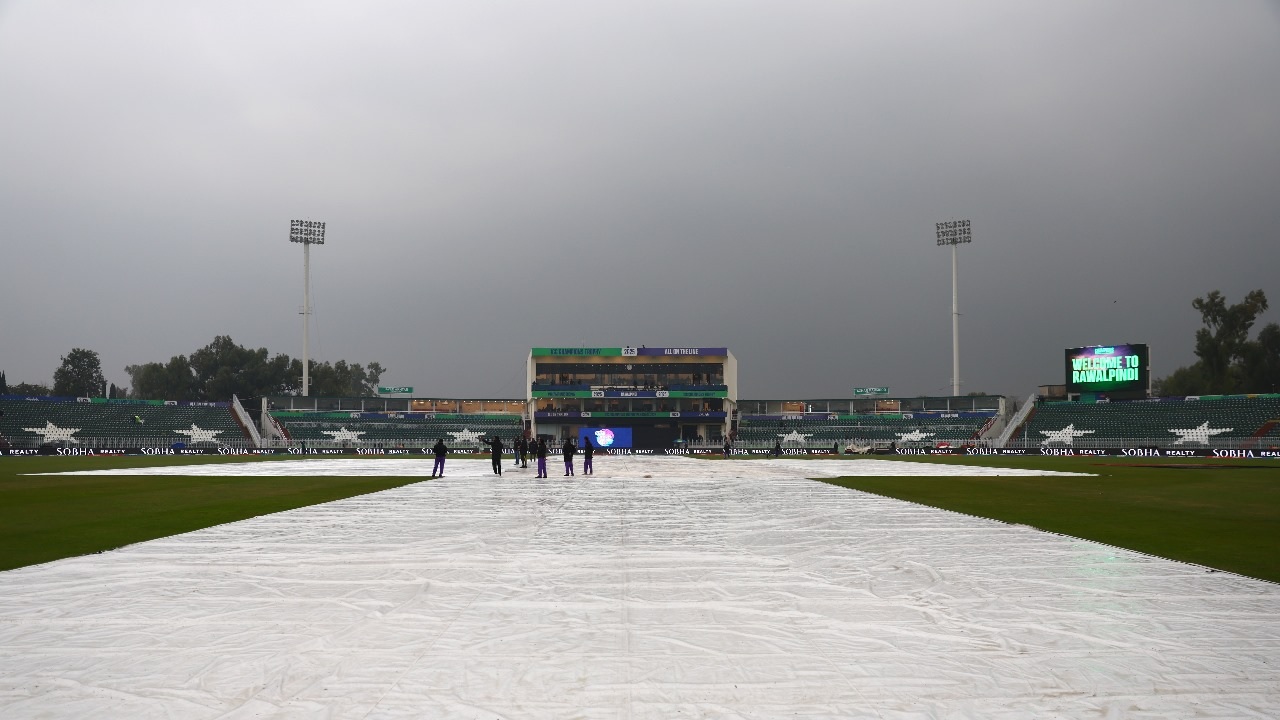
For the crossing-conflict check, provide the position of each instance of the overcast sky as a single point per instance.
(766, 176)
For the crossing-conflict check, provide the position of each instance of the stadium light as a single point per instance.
(953, 233)
(307, 232)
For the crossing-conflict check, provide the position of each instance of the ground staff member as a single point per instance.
(440, 451)
(542, 457)
(568, 451)
(495, 449)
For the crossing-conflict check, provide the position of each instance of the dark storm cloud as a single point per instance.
(759, 175)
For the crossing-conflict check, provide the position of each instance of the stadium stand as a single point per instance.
(329, 429)
(1217, 420)
(1233, 421)
(102, 423)
(1269, 434)
(907, 429)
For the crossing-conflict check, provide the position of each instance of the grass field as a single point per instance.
(46, 518)
(1219, 513)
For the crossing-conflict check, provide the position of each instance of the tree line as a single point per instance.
(1229, 362)
(211, 374)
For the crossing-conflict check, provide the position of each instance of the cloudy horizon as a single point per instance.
(758, 175)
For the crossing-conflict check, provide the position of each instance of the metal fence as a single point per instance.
(107, 443)
(1166, 443)
(1265, 443)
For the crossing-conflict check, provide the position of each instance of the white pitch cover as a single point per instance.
(658, 588)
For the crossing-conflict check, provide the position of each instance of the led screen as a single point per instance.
(1107, 368)
(606, 437)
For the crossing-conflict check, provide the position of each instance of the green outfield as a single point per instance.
(1224, 514)
(1219, 513)
(45, 518)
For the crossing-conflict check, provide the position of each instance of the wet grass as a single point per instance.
(1219, 513)
(44, 518)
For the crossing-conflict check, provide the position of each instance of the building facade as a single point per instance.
(633, 397)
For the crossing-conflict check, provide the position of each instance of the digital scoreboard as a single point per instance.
(1107, 368)
(618, 437)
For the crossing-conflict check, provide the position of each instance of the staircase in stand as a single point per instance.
(1256, 439)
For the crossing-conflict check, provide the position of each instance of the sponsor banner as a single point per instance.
(1226, 454)
(116, 401)
(356, 415)
(664, 451)
(577, 352)
(677, 351)
(630, 352)
(460, 418)
(1099, 452)
(401, 389)
(843, 417)
(138, 451)
(613, 393)
(555, 415)
(785, 451)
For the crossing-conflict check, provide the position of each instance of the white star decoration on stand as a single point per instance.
(795, 436)
(1066, 435)
(344, 435)
(1198, 435)
(198, 434)
(914, 436)
(53, 433)
(466, 437)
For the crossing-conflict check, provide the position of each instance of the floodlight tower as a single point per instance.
(307, 232)
(953, 233)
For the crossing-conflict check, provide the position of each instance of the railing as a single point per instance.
(1249, 443)
(277, 436)
(858, 442)
(1167, 443)
(1016, 421)
(163, 441)
(245, 421)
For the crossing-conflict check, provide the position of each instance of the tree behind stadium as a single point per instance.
(80, 375)
(1229, 362)
(222, 369)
